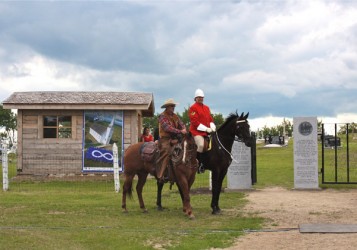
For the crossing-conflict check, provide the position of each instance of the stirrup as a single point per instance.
(164, 179)
(200, 169)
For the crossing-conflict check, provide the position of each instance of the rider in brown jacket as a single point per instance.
(170, 125)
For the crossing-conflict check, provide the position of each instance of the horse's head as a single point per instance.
(189, 142)
(236, 126)
(242, 129)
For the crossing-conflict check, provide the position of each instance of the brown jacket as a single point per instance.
(169, 125)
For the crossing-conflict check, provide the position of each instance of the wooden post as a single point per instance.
(5, 169)
(116, 168)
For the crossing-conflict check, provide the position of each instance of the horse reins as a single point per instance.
(220, 144)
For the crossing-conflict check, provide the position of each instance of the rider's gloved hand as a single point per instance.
(212, 126)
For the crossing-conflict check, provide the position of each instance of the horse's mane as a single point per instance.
(230, 117)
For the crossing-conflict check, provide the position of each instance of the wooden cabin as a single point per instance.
(57, 130)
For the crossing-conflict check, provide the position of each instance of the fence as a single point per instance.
(5, 167)
(338, 155)
(60, 177)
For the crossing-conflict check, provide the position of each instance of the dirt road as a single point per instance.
(286, 209)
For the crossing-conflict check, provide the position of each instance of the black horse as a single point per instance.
(219, 157)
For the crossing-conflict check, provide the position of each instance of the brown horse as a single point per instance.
(182, 171)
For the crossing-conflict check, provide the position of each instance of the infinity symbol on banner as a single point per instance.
(98, 154)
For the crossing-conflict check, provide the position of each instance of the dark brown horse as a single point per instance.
(219, 157)
(182, 171)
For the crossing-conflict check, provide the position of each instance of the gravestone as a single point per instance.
(305, 153)
(331, 141)
(279, 140)
(239, 175)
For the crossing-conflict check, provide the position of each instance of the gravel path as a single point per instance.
(286, 209)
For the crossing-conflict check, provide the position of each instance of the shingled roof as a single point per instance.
(82, 100)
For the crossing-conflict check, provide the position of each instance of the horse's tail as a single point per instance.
(129, 187)
(130, 190)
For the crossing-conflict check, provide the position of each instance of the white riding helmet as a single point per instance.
(199, 92)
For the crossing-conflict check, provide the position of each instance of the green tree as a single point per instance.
(319, 125)
(185, 117)
(288, 128)
(352, 128)
(8, 124)
(151, 122)
(277, 130)
(218, 119)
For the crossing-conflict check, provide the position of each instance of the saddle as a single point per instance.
(207, 145)
(149, 151)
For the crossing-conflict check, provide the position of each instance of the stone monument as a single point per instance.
(305, 153)
(239, 175)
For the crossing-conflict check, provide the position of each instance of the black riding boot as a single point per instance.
(200, 169)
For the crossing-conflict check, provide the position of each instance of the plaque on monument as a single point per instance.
(305, 153)
(239, 175)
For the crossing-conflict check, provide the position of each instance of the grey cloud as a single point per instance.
(171, 48)
(104, 35)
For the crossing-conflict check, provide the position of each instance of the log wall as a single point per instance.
(38, 155)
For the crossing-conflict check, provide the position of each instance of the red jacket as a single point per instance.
(147, 138)
(199, 113)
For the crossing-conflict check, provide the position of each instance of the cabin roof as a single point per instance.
(85, 100)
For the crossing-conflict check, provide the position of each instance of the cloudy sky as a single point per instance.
(272, 58)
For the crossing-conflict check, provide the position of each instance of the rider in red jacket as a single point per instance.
(201, 123)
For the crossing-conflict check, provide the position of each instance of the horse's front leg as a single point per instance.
(160, 185)
(184, 189)
(217, 181)
(214, 201)
(139, 189)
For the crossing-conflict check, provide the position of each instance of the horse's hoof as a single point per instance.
(125, 211)
(145, 211)
(160, 208)
(216, 212)
(191, 217)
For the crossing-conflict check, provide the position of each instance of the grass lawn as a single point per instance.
(69, 215)
(54, 217)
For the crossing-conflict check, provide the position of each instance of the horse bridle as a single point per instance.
(236, 138)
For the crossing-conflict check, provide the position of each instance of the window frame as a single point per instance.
(58, 127)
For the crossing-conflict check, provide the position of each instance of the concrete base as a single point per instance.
(328, 228)
(231, 190)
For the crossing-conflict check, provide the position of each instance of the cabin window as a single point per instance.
(57, 126)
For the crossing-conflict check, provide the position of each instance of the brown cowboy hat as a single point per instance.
(169, 102)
